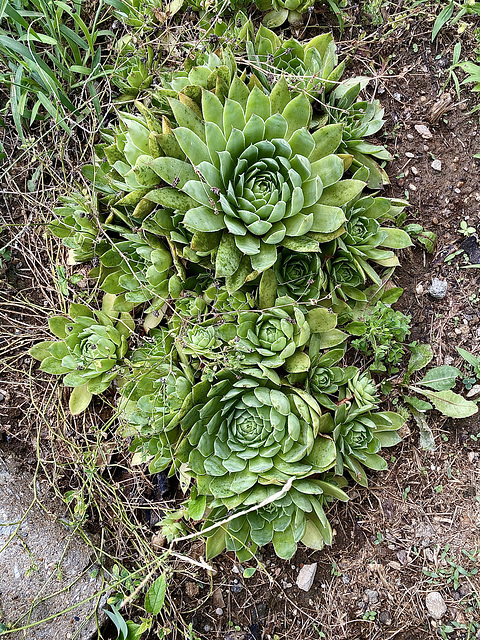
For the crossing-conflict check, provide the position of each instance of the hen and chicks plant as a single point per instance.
(233, 223)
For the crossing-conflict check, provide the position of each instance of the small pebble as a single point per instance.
(414, 171)
(419, 289)
(385, 617)
(474, 391)
(437, 165)
(423, 130)
(306, 576)
(438, 289)
(457, 190)
(412, 187)
(2, 397)
(436, 605)
(410, 136)
(372, 596)
(219, 611)
(409, 154)
(236, 587)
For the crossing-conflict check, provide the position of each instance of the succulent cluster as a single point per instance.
(232, 218)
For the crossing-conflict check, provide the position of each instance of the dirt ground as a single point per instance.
(417, 528)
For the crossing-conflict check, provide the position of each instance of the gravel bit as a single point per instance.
(306, 576)
(424, 131)
(436, 606)
(438, 289)
(372, 596)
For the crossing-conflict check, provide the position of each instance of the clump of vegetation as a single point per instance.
(382, 332)
(231, 216)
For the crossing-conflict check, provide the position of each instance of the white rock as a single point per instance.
(436, 605)
(423, 131)
(306, 576)
(474, 391)
(436, 165)
(438, 288)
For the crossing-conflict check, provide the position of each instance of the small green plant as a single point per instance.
(426, 238)
(379, 538)
(370, 615)
(89, 352)
(465, 229)
(474, 367)
(382, 336)
(452, 76)
(450, 570)
(446, 15)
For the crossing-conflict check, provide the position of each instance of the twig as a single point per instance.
(276, 496)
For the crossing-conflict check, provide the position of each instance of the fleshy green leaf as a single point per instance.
(79, 400)
(341, 193)
(396, 239)
(41, 351)
(327, 140)
(297, 113)
(57, 325)
(321, 320)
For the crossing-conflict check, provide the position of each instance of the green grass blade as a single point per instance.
(54, 113)
(15, 94)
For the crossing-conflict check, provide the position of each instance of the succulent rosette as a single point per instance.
(366, 240)
(89, 352)
(281, 10)
(208, 71)
(250, 431)
(155, 417)
(200, 340)
(363, 390)
(345, 279)
(270, 337)
(78, 226)
(227, 304)
(311, 67)
(299, 275)
(359, 434)
(136, 272)
(297, 516)
(253, 179)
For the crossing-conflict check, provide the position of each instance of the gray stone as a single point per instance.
(436, 165)
(438, 289)
(306, 576)
(436, 606)
(372, 596)
(45, 568)
(385, 617)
